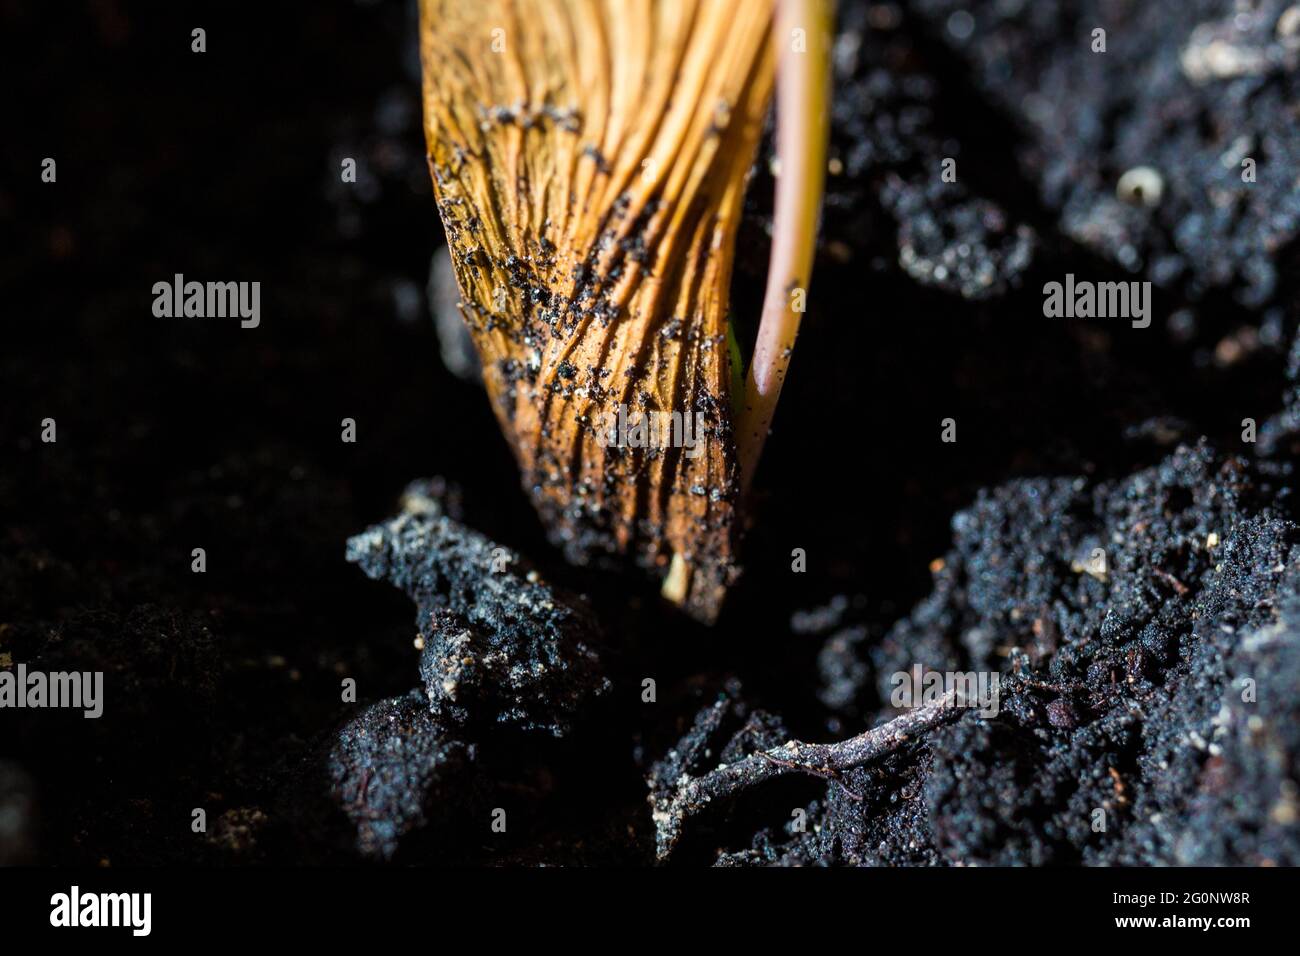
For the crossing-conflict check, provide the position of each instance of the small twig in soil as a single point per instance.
(833, 776)
(695, 794)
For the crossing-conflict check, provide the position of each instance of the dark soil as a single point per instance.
(511, 690)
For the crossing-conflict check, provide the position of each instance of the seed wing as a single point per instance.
(589, 161)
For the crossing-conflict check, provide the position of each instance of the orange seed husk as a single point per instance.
(589, 161)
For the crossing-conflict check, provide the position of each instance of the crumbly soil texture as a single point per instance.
(381, 659)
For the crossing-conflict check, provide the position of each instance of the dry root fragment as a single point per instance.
(690, 796)
(589, 160)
